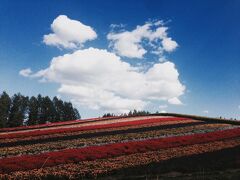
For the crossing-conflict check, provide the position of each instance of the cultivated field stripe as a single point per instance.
(54, 124)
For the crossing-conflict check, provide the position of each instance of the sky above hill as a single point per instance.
(115, 56)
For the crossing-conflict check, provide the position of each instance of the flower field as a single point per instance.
(118, 147)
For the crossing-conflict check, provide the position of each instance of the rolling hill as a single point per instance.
(158, 146)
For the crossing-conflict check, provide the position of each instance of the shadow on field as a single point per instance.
(223, 164)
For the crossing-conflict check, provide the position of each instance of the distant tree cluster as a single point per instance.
(21, 110)
(138, 113)
(131, 113)
(109, 115)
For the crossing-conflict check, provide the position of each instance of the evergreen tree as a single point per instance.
(40, 109)
(68, 112)
(134, 112)
(5, 104)
(59, 109)
(48, 110)
(130, 113)
(108, 115)
(33, 108)
(18, 110)
(56, 110)
(138, 113)
(76, 114)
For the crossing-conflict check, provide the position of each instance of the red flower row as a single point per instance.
(28, 162)
(78, 121)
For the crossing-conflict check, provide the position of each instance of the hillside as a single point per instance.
(141, 147)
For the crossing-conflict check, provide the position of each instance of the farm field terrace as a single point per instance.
(139, 147)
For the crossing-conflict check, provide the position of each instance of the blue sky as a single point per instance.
(207, 57)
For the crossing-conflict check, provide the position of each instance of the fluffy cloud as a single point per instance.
(25, 72)
(169, 45)
(163, 106)
(99, 98)
(174, 101)
(131, 43)
(68, 33)
(28, 73)
(206, 111)
(101, 80)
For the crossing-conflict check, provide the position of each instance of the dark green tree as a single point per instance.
(68, 112)
(135, 112)
(18, 110)
(138, 113)
(59, 109)
(76, 114)
(5, 104)
(33, 107)
(40, 116)
(48, 110)
(108, 115)
(130, 113)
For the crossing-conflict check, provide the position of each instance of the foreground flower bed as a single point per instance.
(107, 147)
(106, 166)
(107, 151)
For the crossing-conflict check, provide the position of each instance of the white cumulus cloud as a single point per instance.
(25, 72)
(174, 101)
(206, 111)
(132, 44)
(100, 79)
(169, 45)
(163, 106)
(68, 33)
